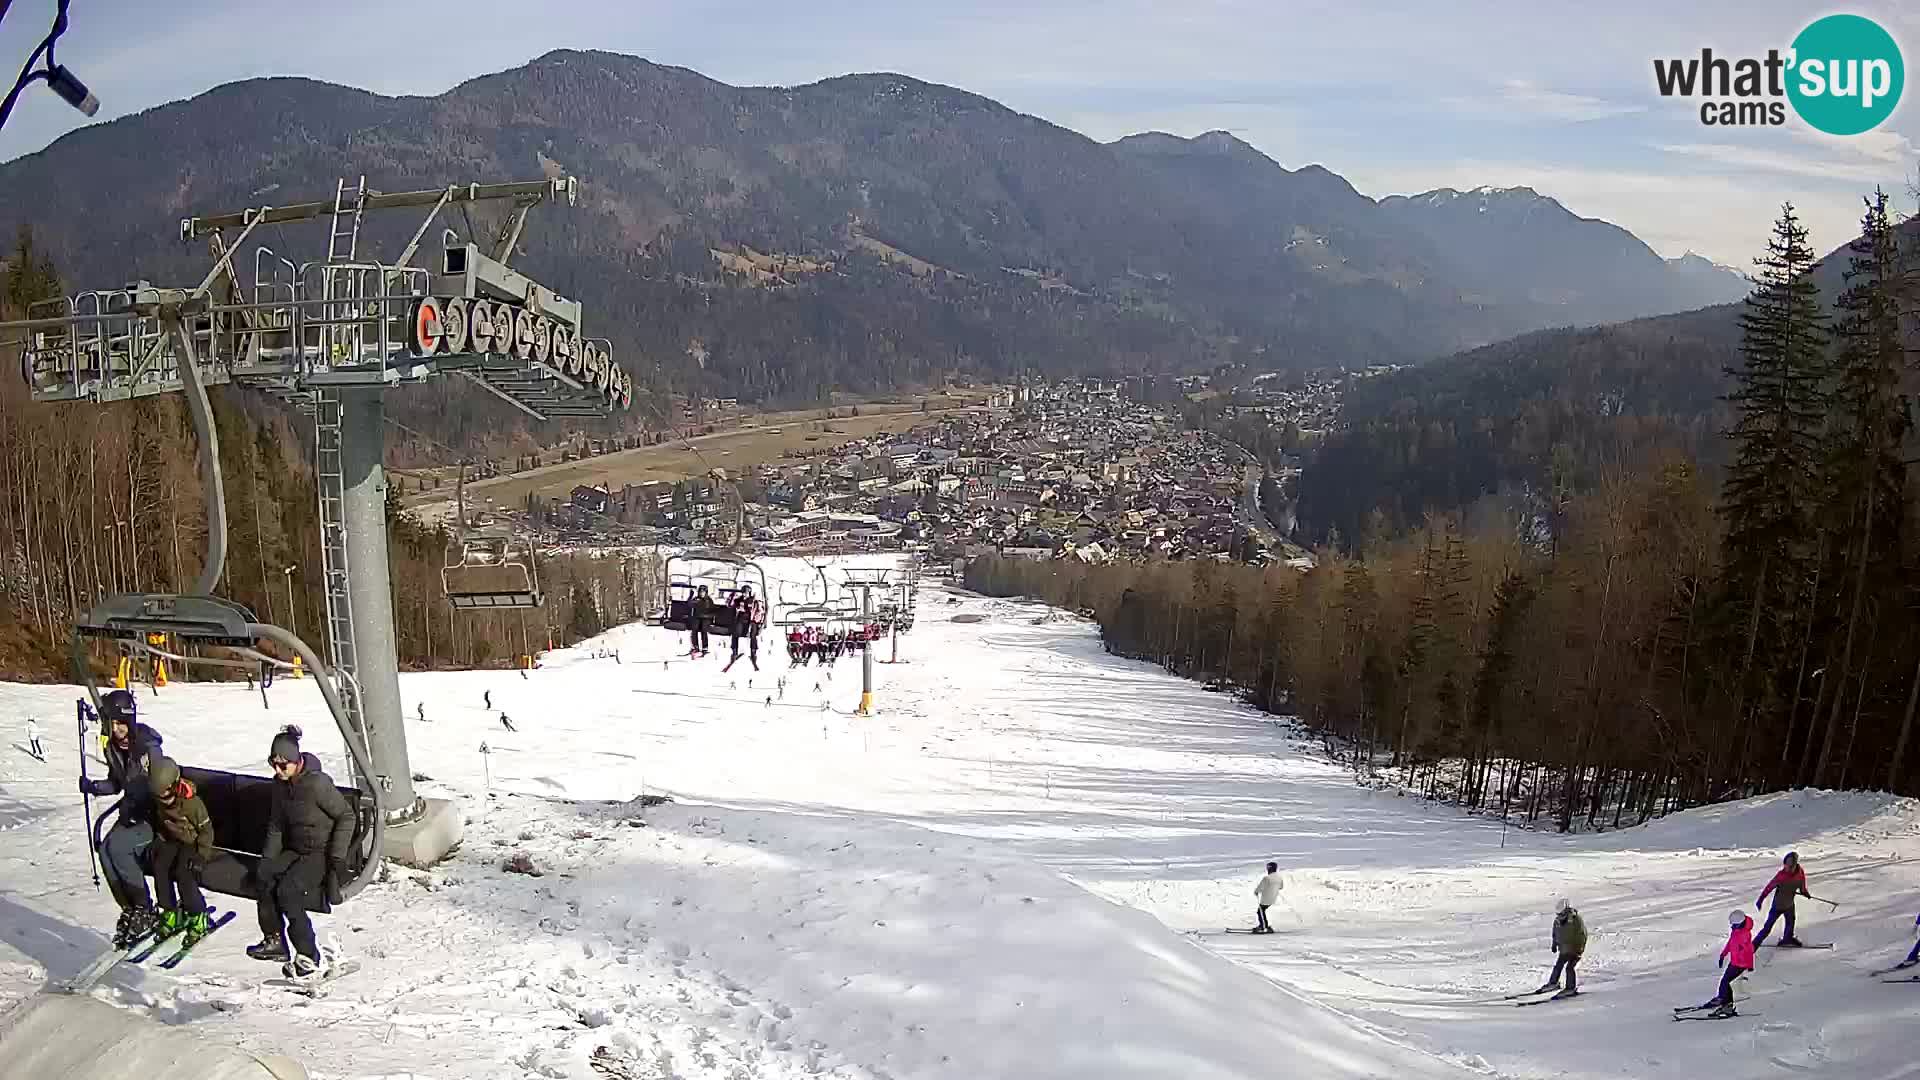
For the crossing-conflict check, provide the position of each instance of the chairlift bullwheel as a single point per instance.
(523, 324)
(542, 339)
(455, 324)
(562, 351)
(481, 320)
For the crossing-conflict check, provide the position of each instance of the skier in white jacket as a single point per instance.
(1268, 893)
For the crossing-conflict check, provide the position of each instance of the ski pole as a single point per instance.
(1824, 900)
(86, 801)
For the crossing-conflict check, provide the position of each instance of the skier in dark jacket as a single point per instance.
(309, 835)
(1569, 944)
(130, 745)
(747, 616)
(699, 617)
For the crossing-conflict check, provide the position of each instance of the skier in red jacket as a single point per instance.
(1790, 882)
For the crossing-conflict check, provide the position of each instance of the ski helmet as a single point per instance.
(162, 776)
(118, 707)
(1560, 905)
(1736, 917)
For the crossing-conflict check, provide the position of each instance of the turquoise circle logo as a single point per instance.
(1847, 74)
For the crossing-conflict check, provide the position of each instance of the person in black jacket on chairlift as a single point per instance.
(130, 746)
(309, 835)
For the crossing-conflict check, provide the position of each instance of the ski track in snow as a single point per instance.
(1020, 868)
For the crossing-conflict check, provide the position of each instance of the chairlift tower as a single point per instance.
(328, 337)
(865, 580)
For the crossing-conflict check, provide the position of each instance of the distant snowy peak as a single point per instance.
(1520, 203)
(1484, 193)
(1696, 263)
(1516, 241)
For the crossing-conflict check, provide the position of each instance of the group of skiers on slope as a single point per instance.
(749, 615)
(163, 821)
(1569, 936)
(1736, 956)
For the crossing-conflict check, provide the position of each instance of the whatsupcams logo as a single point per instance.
(1842, 75)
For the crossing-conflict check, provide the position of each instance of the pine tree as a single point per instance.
(1865, 471)
(1511, 601)
(1774, 481)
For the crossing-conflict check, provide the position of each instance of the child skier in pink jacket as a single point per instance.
(1736, 957)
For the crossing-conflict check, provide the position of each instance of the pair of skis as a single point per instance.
(1540, 996)
(1901, 966)
(138, 951)
(1709, 1011)
(315, 986)
(156, 941)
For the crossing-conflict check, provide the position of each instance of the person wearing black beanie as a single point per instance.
(309, 835)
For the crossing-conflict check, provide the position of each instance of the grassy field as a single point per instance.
(764, 438)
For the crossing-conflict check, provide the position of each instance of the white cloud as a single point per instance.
(1523, 98)
(1820, 168)
(1881, 145)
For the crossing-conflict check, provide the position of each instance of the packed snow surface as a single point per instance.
(1022, 866)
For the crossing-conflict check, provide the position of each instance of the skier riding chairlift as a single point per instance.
(237, 804)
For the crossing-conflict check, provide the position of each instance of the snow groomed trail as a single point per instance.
(1022, 867)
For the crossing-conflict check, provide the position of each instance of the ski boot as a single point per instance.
(1722, 1012)
(269, 948)
(194, 927)
(171, 922)
(302, 968)
(1567, 993)
(1550, 985)
(134, 924)
(1792, 943)
(123, 934)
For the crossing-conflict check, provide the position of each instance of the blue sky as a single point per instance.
(1395, 97)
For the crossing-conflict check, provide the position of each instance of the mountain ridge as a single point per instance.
(1151, 252)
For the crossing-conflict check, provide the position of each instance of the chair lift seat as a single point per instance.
(679, 606)
(238, 805)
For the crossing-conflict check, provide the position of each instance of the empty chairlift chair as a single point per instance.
(488, 569)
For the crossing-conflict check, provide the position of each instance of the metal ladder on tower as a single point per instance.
(330, 480)
(343, 238)
(343, 244)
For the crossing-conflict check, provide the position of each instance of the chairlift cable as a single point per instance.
(740, 521)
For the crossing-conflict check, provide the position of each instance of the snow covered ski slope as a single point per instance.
(1021, 867)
